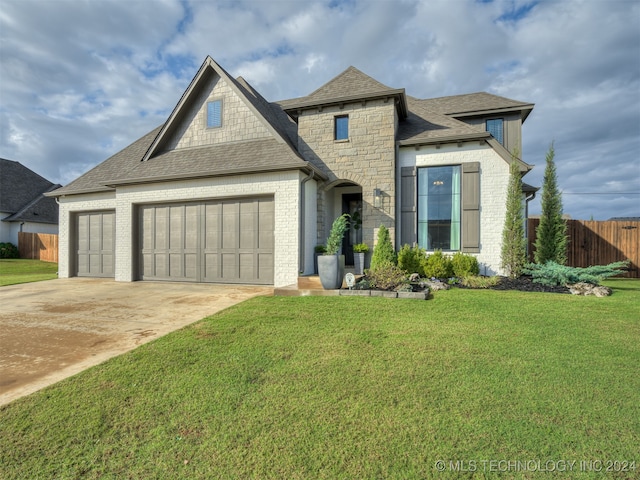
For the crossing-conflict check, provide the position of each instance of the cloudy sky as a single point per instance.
(81, 79)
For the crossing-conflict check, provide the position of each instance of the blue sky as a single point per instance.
(81, 80)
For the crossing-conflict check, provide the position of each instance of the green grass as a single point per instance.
(13, 271)
(349, 387)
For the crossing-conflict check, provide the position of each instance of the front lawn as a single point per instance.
(349, 387)
(13, 271)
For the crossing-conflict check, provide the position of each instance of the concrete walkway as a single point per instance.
(54, 329)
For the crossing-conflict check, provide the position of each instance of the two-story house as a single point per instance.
(233, 188)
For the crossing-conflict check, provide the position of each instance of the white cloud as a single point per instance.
(79, 81)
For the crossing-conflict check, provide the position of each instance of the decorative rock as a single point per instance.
(585, 289)
(436, 285)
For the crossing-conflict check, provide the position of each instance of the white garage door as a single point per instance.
(225, 241)
(95, 245)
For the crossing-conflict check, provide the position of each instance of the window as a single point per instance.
(439, 208)
(341, 130)
(214, 114)
(495, 128)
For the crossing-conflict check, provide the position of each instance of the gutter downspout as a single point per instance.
(301, 223)
(527, 199)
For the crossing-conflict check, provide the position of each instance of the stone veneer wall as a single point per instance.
(238, 121)
(494, 179)
(285, 186)
(367, 158)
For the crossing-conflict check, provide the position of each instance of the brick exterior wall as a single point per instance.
(367, 158)
(494, 179)
(283, 186)
(68, 206)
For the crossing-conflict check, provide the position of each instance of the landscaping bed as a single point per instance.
(526, 284)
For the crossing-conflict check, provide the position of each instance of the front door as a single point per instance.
(352, 205)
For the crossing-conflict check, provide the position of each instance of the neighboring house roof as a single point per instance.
(21, 194)
(474, 104)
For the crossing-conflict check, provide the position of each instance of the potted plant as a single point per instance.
(331, 265)
(359, 251)
(318, 250)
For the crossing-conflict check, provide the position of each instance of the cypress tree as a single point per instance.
(383, 252)
(551, 234)
(514, 247)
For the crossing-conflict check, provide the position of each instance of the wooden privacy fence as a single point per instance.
(39, 246)
(598, 243)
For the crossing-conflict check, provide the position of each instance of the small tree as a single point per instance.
(514, 247)
(551, 234)
(383, 252)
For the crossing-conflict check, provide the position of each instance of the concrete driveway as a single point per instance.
(54, 329)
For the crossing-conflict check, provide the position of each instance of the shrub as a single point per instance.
(438, 265)
(513, 254)
(476, 281)
(412, 259)
(8, 250)
(339, 227)
(386, 276)
(551, 234)
(383, 252)
(360, 248)
(552, 273)
(320, 249)
(464, 265)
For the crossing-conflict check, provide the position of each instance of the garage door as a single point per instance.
(95, 234)
(225, 241)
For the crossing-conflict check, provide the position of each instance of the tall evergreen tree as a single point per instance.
(514, 247)
(551, 234)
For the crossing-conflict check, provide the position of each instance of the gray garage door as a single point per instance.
(95, 234)
(225, 241)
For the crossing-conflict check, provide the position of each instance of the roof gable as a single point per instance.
(246, 115)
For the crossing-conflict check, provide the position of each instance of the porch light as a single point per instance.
(377, 198)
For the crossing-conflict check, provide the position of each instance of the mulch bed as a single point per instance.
(526, 284)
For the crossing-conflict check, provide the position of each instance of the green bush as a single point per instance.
(383, 252)
(338, 229)
(476, 281)
(552, 273)
(386, 276)
(8, 250)
(360, 248)
(412, 259)
(438, 265)
(464, 265)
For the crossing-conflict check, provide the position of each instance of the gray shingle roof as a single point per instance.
(422, 121)
(423, 125)
(474, 104)
(349, 85)
(21, 192)
(213, 160)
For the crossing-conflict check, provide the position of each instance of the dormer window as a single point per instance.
(496, 128)
(341, 128)
(214, 114)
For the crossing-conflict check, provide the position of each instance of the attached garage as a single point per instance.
(224, 241)
(95, 245)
